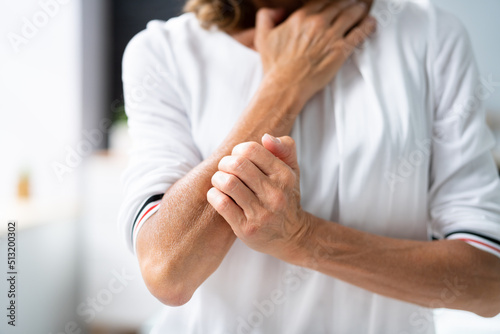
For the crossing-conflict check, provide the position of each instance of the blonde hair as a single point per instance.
(227, 15)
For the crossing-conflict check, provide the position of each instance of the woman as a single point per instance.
(327, 230)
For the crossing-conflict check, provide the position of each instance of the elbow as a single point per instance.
(488, 306)
(174, 298)
(488, 312)
(485, 291)
(172, 295)
(166, 286)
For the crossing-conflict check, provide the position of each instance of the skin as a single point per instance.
(185, 241)
(257, 191)
(249, 188)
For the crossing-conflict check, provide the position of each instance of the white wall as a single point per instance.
(40, 110)
(40, 93)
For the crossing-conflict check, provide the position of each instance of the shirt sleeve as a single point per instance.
(464, 187)
(163, 148)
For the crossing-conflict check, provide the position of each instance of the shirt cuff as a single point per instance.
(483, 242)
(147, 209)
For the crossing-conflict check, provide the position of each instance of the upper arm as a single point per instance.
(465, 187)
(163, 148)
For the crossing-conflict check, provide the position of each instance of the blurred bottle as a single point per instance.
(23, 186)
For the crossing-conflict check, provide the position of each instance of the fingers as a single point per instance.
(246, 171)
(225, 206)
(356, 36)
(333, 9)
(283, 148)
(348, 19)
(315, 6)
(266, 20)
(232, 186)
(260, 157)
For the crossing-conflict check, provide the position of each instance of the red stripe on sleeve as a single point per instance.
(145, 213)
(481, 243)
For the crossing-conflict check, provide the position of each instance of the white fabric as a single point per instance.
(384, 148)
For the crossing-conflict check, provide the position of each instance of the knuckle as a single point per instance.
(214, 179)
(345, 19)
(224, 162)
(356, 36)
(350, 15)
(236, 163)
(222, 202)
(263, 12)
(245, 149)
(250, 229)
(290, 142)
(278, 201)
(231, 163)
(341, 48)
(359, 35)
(317, 22)
(231, 183)
(266, 184)
(284, 179)
(335, 11)
(263, 217)
(297, 17)
(289, 178)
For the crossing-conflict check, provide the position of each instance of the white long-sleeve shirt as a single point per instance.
(395, 145)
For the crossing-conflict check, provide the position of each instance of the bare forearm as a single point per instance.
(186, 240)
(449, 274)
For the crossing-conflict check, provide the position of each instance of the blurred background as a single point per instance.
(63, 143)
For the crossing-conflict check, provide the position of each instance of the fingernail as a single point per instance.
(273, 139)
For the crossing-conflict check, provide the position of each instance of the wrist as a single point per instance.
(278, 84)
(301, 248)
(273, 109)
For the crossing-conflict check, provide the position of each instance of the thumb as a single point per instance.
(283, 148)
(266, 19)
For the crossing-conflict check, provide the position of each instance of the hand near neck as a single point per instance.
(283, 9)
